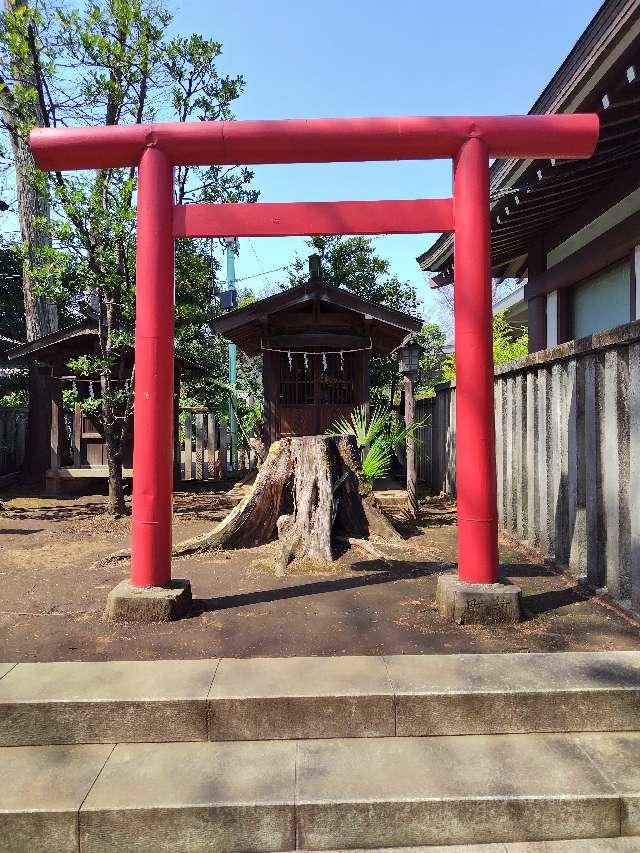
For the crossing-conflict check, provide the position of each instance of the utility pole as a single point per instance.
(232, 247)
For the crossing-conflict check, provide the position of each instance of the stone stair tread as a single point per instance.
(89, 702)
(290, 698)
(516, 672)
(321, 794)
(108, 681)
(580, 845)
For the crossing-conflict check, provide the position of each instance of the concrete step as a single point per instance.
(327, 794)
(291, 698)
(580, 845)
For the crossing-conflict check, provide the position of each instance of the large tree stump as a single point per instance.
(308, 490)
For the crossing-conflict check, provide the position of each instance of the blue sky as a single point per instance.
(358, 57)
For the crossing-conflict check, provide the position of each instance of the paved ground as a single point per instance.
(52, 594)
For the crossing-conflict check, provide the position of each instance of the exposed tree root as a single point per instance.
(306, 489)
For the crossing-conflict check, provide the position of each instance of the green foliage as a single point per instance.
(115, 63)
(92, 406)
(12, 323)
(352, 262)
(111, 62)
(68, 399)
(432, 362)
(249, 411)
(380, 433)
(365, 430)
(398, 431)
(251, 416)
(14, 400)
(88, 365)
(377, 462)
(506, 346)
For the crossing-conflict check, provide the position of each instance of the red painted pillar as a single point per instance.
(475, 427)
(153, 404)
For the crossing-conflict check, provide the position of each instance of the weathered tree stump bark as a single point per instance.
(307, 490)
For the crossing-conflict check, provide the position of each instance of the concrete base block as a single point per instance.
(128, 603)
(478, 603)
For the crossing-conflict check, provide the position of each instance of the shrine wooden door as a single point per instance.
(313, 393)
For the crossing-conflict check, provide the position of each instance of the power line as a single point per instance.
(259, 262)
(255, 275)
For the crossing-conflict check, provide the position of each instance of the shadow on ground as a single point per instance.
(383, 574)
(54, 593)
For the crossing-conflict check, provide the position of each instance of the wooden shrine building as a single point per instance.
(315, 340)
(76, 451)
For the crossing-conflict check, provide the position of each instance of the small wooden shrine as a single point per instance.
(76, 446)
(316, 340)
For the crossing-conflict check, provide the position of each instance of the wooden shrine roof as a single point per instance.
(72, 341)
(340, 312)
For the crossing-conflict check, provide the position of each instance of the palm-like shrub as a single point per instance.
(380, 433)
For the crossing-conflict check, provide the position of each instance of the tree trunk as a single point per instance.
(114, 436)
(116, 504)
(37, 454)
(41, 314)
(308, 489)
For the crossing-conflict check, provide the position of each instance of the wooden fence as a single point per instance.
(436, 440)
(568, 456)
(13, 431)
(203, 451)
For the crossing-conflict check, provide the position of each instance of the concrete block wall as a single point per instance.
(568, 455)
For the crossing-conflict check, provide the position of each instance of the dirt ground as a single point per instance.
(52, 594)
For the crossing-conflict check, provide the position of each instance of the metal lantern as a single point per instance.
(409, 353)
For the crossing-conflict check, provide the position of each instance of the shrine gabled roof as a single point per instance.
(79, 336)
(246, 323)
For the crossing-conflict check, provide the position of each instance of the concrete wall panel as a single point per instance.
(567, 456)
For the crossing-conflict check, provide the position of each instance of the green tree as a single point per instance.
(352, 263)
(111, 62)
(20, 109)
(13, 325)
(507, 345)
(209, 350)
(433, 360)
(13, 386)
(12, 320)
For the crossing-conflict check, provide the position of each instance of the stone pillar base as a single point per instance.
(127, 603)
(478, 603)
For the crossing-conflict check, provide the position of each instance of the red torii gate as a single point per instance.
(157, 148)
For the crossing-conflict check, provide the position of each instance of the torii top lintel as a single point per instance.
(315, 140)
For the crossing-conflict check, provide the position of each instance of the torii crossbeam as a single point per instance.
(155, 149)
